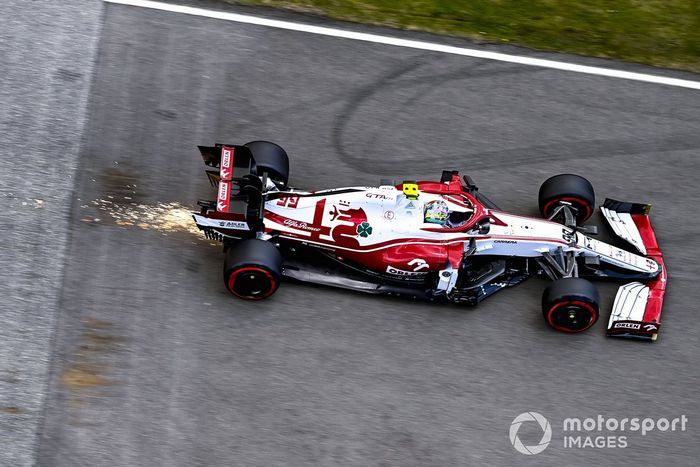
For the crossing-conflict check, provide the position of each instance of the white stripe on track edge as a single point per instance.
(388, 40)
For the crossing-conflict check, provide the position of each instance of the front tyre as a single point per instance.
(252, 269)
(571, 304)
(571, 189)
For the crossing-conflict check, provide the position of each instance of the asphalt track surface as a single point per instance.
(154, 363)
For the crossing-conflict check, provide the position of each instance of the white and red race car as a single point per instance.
(434, 240)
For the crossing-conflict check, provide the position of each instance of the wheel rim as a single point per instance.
(584, 210)
(572, 316)
(252, 283)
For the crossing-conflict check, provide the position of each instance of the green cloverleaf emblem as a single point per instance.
(364, 229)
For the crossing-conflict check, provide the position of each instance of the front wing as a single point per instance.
(637, 307)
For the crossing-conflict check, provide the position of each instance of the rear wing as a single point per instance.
(239, 200)
(237, 162)
(637, 307)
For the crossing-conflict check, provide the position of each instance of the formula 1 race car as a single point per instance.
(435, 240)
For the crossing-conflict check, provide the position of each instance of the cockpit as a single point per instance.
(452, 215)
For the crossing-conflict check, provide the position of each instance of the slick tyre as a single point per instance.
(571, 304)
(252, 269)
(567, 188)
(271, 158)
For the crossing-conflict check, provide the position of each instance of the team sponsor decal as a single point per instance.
(223, 204)
(377, 196)
(350, 224)
(225, 167)
(401, 272)
(234, 225)
(418, 264)
(624, 325)
(504, 241)
(301, 225)
(203, 221)
(635, 326)
(389, 215)
(364, 230)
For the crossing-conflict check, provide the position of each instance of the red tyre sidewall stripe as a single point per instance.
(569, 199)
(234, 274)
(588, 306)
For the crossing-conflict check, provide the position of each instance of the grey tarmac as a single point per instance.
(154, 363)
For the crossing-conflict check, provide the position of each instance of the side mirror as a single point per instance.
(483, 226)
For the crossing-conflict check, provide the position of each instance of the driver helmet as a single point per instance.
(436, 212)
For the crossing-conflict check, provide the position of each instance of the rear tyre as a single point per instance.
(252, 269)
(571, 304)
(567, 188)
(271, 158)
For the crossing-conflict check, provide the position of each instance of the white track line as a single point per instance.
(360, 36)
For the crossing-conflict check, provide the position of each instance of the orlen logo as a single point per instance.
(225, 170)
(401, 272)
(627, 326)
(226, 159)
(530, 417)
(223, 191)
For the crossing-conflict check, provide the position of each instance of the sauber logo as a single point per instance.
(627, 326)
(650, 327)
(300, 225)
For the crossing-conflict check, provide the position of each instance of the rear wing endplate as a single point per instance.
(239, 190)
